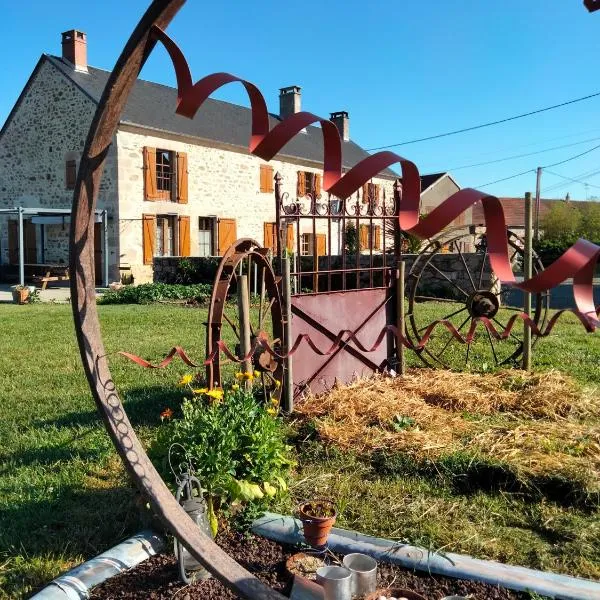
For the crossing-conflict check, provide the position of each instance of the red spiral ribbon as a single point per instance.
(578, 262)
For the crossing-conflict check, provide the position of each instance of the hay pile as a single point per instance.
(538, 424)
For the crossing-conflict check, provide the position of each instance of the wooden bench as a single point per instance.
(51, 273)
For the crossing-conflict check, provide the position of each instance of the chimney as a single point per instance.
(74, 49)
(290, 100)
(342, 122)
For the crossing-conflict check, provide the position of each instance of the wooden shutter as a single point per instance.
(269, 234)
(365, 193)
(70, 174)
(301, 184)
(377, 194)
(227, 234)
(184, 236)
(363, 237)
(266, 178)
(182, 181)
(290, 237)
(13, 242)
(377, 238)
(150, 189)
(321, 244)
(149, 237)
(317, 185)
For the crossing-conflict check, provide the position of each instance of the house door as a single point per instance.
(98, 245)
(29, 237)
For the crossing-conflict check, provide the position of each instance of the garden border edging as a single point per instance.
(288, 530)
(78, 582)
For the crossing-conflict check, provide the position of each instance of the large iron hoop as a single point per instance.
(87, 326)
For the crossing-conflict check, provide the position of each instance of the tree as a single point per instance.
(561, 223)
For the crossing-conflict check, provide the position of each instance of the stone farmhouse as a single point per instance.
(171, 187)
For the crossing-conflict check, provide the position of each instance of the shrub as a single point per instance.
(235, 444)
(147, 293)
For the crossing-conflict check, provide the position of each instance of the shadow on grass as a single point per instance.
(77, 522)
(468, 474)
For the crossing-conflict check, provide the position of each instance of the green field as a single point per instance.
(64, 497)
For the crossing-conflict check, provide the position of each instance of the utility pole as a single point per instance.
(536, 234)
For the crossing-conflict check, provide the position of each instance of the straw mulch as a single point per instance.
(539, 424)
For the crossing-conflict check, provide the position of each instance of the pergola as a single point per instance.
(49, 216)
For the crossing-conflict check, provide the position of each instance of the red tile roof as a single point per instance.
(514, 210)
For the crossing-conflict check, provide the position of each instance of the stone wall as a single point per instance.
(48, 128)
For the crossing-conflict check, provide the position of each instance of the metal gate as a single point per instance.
(343, 270)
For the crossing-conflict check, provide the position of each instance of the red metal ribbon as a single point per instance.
(577, 262)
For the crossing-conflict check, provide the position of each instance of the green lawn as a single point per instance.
(63, 495)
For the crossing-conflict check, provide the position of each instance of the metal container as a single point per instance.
(336, 583)
(364, 573)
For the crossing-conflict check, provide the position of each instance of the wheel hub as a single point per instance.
(483, 303)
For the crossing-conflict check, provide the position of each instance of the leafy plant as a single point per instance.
(402, 422)
(235, 444)
(147, 293)
(351, 239)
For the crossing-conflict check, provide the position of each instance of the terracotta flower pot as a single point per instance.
(317, 519)
(20, 296)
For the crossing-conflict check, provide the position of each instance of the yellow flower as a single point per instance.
(239, 376)
(249, 376)
(216, 394)
(235, 387)
(277, 383)
(256, 374)
(186, 379)
(272, 411)
(274, 401)
(200, 391)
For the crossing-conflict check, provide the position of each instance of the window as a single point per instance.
(164, 170)
(165, 175)
(307, 244)
(206, 236)
(266, 178)
(371, 193)
(70, 174)
(370, 237)
(309, 184)
(165, 236)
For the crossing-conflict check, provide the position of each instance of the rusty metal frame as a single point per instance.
(83, 302)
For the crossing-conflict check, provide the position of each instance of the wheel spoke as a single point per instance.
(433, 299)
(492, 345)
(456, 312)
(262, 299)
(464, 262)
(451, 337)
(448, 279)
(232, 325)
(512, 335)
(482, 267)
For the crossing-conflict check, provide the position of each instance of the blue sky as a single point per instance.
(402, 69)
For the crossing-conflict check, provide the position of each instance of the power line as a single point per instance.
(498, 122)
(514, 156)
(559, 185)
(562, 162)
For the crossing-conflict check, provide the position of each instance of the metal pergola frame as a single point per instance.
(22, 212)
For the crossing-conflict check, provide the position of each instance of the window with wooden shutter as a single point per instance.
(321, 244)
(363, 237)
(266, 178)
(365, 193)
(301, 184)
(317, 185)
(182, 178)
(184, 236)
(70, 174)
(377, 237)
(269, 236)
(149, 237)
(150, 190)
(227, 234)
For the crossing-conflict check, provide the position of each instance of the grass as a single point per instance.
(64, 496)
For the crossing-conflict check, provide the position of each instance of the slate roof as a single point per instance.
(514, 210)
(152, 105)
(428, 180)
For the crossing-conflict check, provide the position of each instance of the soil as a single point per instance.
(157, 577)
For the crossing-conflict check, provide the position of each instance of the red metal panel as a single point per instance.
(322, 316)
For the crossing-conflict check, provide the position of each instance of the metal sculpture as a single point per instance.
(578, 262)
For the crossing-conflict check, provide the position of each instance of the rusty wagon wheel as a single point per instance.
(246, 257)
(452, 279)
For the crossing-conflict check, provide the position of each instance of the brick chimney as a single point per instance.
(74, 49)
(290, 101)
(342, 122)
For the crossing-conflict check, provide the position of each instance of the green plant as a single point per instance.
(235, 444)
(402, 422)
(351, 239)
(147, 293)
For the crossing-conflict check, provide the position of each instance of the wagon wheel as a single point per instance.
(246, 257)
(464, 290)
